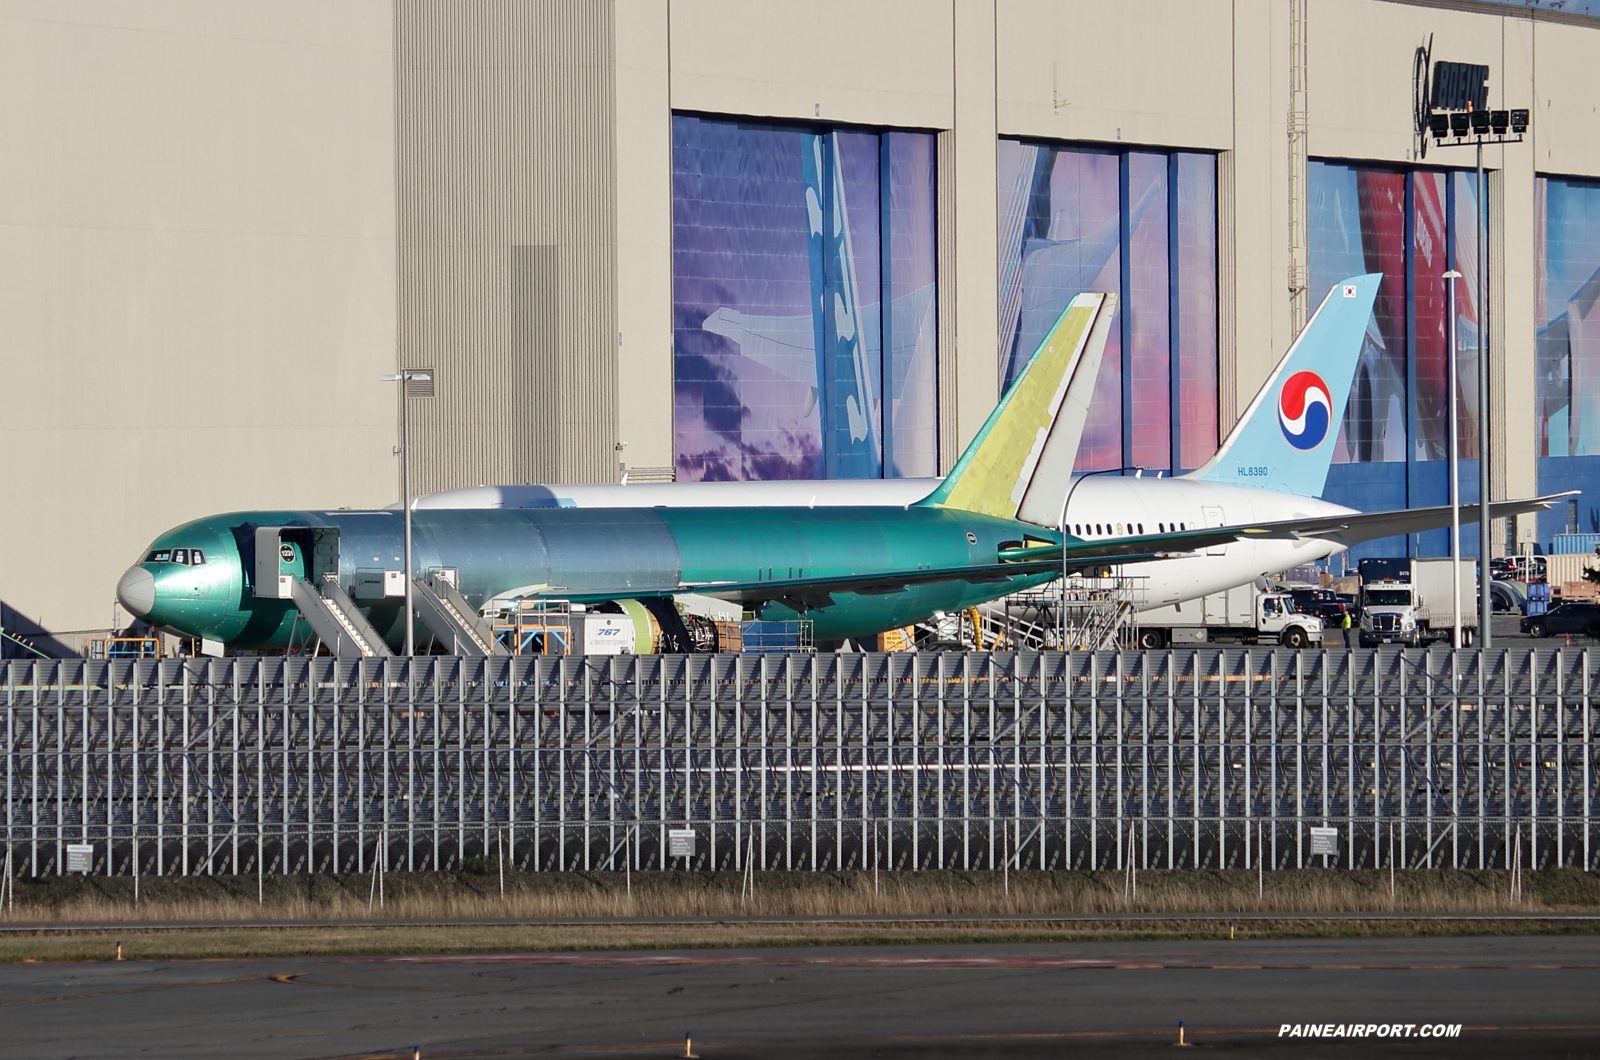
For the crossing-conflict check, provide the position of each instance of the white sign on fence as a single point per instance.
(80, 857)
(680, 842)
(1325, 841)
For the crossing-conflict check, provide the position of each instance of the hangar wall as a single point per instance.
(507, 256)
(196, 278)
(224, 222)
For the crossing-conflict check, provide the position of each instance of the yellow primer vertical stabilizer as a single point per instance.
(1031, 439)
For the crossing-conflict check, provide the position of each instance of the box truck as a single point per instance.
(1248, 614)
(1417, 609)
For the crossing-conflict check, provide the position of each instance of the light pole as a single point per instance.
(1485, 608)
(1455, 110)
(1455, 479)
(405, 379)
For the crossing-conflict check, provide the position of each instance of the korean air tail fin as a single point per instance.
(1024, 454)
(1285, 439)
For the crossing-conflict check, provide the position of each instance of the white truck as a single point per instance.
(1416, 608)
(1248, 613)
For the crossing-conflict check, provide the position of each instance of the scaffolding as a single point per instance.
(534, 627)
(1098, 614)
(134, 647)
(1204, 758)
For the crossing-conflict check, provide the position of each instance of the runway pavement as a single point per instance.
(1528, 996)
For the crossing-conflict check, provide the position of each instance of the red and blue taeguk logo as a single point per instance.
(1305, 410)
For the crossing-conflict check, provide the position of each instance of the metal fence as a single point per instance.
(1204, 758)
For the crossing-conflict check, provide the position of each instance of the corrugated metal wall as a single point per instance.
(505, 117)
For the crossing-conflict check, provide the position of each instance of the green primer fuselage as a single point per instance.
(602, 554)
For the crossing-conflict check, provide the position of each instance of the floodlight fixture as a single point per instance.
(1439, 124)
(1499, 120)
(1519, 121)
(1480, 122)
(1460, 122)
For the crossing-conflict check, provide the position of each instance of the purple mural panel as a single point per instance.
(745, 395)
(1149, 312)
(778, 234)
(1197, 308)
(1061, 233)
(913, 396)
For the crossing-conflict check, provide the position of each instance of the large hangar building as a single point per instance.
(737, 239)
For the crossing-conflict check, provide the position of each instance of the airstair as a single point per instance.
(1099, 614)
(1024, 621)
(344, 630)
(453, 620)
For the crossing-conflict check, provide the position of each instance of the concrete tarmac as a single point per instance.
(1512, 996)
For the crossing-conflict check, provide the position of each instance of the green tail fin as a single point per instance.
(1032, 436)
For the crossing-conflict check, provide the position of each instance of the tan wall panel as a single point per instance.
(1360, 76)
(1515, 463)
(886, 62)
(1566, 118)
(644, 233)
(1261, 215)
(1156, 72)
(976, 224)
(196, 273)
(505, 119)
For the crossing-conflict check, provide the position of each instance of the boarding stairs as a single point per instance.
(1101, 613)
(1023, 621)
(452, 619)
(334, 616)
(1103, 626)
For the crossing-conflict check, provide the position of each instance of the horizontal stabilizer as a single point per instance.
(1357, 527)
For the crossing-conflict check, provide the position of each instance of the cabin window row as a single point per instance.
(1118, 529)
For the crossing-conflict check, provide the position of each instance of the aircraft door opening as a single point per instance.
(286, 554)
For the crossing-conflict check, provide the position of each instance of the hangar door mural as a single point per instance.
(788, 243)
(1139, 223)
(1567, 265)
(1413, 226)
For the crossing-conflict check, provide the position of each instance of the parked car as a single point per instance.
(1518, 568)
(1576, 617)
(1323, 603)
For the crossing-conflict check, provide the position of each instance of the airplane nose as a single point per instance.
(137, 591)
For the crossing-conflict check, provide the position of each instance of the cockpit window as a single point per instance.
(189, 557)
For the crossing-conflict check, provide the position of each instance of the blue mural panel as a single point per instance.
(1567, 264)
(1413, 226)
